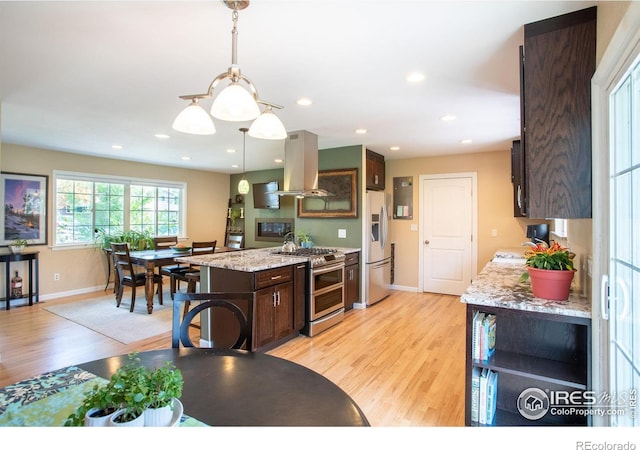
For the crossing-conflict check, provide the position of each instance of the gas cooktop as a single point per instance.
(318, 256)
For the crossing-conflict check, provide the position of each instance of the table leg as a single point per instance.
(7, 283)
(149, 286)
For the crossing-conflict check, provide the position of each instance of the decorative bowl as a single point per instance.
(175, 248)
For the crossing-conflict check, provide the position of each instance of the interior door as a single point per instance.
(447, 218)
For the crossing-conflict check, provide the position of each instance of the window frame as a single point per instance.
(114, 179)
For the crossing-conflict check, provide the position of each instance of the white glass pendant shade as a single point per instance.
(243, 187)
(194, 120)
(235, 104)
(267, 126)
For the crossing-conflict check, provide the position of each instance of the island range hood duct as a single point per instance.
(301, 166)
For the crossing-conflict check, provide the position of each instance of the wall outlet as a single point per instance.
(56, 277)
(342, 233)
(494, 233)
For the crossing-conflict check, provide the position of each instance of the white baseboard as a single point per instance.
(73, 292)
(398, 287)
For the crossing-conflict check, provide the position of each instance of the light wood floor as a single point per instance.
(401, 360)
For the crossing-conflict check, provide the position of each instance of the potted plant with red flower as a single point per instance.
(551, 271)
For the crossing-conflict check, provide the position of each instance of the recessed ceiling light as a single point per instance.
(304, 101)
(361, 131)
(415, 77)
(235, 166)
(448, 118)
(231, 150)
(466, 141)
(185, 158)
(395, 148)
(117, 146)
(279, 161)
(162, 136)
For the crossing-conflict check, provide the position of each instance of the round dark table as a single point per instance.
(239, 388)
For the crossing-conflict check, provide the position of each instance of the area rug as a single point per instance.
(102, 316)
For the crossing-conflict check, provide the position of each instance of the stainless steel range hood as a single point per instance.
(301, 165)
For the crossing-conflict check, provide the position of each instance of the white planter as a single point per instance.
(137, 422)
(158, 417)
(93, 420)
(16, 249)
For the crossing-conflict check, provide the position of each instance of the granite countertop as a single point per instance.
(498, 285)
(249, 260)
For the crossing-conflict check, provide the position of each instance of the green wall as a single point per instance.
(324, 232)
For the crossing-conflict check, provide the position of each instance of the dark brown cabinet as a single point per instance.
(351, 279)
(518, 180)
(273, 314)
(557, 64)
(374, 173)
(276, 308)
(550, 353)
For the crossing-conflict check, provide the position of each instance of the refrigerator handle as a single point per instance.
(383, 225)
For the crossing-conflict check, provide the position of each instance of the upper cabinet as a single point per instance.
(374, 172)
(557, 62)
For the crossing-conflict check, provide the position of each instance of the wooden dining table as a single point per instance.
(150, 259)
(221, 388)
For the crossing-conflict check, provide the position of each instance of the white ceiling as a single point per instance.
(83, 76)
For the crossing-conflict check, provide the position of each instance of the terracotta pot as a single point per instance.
(551, 284)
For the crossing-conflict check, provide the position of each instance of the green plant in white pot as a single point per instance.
(165, 388)
(18, 245)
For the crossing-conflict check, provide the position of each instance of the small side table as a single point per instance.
(32, 276)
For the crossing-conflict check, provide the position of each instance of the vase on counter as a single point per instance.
(551, 284)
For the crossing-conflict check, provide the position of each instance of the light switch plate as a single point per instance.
(342, 233)
(414, 227)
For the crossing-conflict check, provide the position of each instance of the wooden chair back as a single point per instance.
(203, 247)
(122, 260)
(219, 301)
(164, 242)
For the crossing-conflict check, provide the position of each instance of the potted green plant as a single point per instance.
(18, 245)
(137, 240)
(123, 400)
(551, 271)
(304, 239)
(165, 387)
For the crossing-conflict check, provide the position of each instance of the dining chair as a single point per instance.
(224, 309)
(164, 243)
(235, 241)
(176, 276)
(127, 276)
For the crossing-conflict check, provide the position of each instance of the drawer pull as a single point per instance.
(276, 277)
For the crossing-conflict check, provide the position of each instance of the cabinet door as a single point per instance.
(374, 173)
(559, 62)
(264, 317)
(518, 180)
(352, 285)
(283, 310)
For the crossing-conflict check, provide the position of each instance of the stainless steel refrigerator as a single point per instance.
(377, 248)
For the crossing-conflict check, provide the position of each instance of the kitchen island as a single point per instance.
(280, 284)
(542, 347)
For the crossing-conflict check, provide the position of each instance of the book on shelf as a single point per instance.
(488, 338)
(482, 402)
(475, 393)
(476, 336)
(483, 336)
(492, 395)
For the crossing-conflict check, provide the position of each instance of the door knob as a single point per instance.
(426, 242)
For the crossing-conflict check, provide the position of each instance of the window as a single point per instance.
(85, 202)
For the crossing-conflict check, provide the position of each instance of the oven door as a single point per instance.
(327, 290)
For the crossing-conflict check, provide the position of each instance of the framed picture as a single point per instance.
(24, 212)
(343, 201)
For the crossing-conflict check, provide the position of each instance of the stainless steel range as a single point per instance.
(325, 300)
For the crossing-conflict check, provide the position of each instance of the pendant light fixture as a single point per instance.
(234, 103)
(243, 185)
